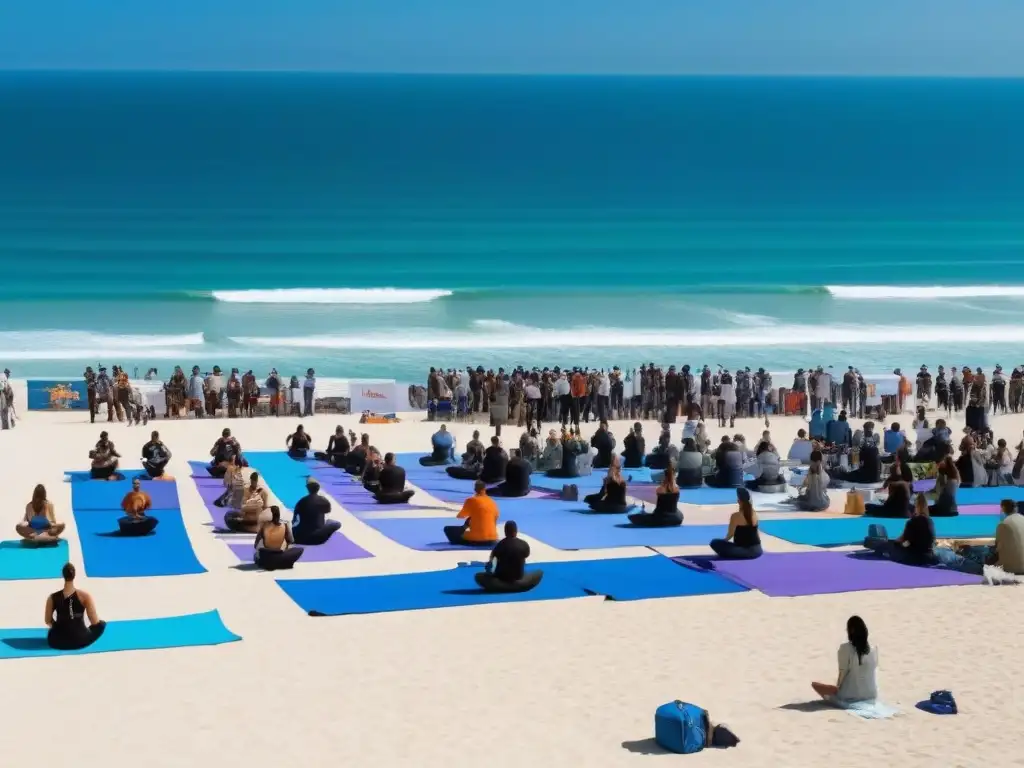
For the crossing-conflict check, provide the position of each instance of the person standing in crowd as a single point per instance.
(924, 387)
(90, 390)
(308, 388)
(578, 387)
(849, 389)
(956, 388)
(196, 394)
(942, 402)
(212, 389)
(563, 395)
(800, 387)
(234, 391)
(250, 394)
(998, 390)
(726, 400)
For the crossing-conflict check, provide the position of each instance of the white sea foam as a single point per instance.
(331, 296)
(741, 318)
(526, 337)
(83, 345)
(923, 292)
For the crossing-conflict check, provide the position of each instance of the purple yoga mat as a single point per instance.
(338, 547)
(795, 574)
(924, 486)
(373, 506)
(978, 509)
(647, 493)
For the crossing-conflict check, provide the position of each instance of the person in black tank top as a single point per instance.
(746, 540)
(611, 499)
(666, 512)
(298, 443)
(66, 611)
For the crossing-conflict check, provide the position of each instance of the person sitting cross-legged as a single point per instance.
(506, 567)
(481, 516)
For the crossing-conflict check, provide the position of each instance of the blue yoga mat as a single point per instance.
(567, 529)
(410, 592)
(423, 534)
(136, 635)
(707, 496)
(588, 483)
(839, 532)
(85, 476)
(20, 562)
(989, 495)
(108, 494)
(633, 578)
(165, 552)
(283, 475)
(640, 578)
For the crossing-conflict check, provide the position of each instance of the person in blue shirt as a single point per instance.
(893, 438)
(442, 445)
(817, 424)
(839, 432)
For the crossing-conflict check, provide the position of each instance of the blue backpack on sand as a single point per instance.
(680, 727)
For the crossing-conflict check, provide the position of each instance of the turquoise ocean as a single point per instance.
(377, 225)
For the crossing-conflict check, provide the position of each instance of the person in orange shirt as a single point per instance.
(481, 516)
(135, 504)
(579, 396)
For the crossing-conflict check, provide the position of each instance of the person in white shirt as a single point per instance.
(726, 400)
(604, 392)
(564, 397)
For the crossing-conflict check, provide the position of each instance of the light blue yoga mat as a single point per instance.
(135, 635)
(575, 528)
(165, 552)
(634, 578)
(839, 532)
(707, 496)
(589, 483)
(283, 475)
(20, 562)
(989, 495)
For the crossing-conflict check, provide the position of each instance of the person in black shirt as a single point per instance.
(506, 567)
(355, 462)
(391, 483)
(337, 449)
(223, 450)
(495, 462)
(66, 611)
(635, 448)
(298, 443)
(155, 456)
(517, 478)
(309, 525)
(604, 442)
(917, 544)
(611, 499)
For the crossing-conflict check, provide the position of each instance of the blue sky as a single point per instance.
(866, 37)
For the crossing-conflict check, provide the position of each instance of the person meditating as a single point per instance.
(371, 470)
(355, 463)
(472, 464)
(442, 449)
(611, 499)
(551, 457)
(391, 483)
(298, 443)
(917, 544)
(947, 483)
(634, 448)
(870, 470)
(897, 504)
(603, 442)
(222, 452)
(155, 456)
(39, 526)
(135, 504)
(337, 449)
(495, 462)
(506, 567)
(664, 452)
(66, 611)
(309, 525)
(104, 460)
(691, 465)
(481, 516)
(254, 501)
(517, 478)
(666, 511)
(813, 494)
(275, 550)
(769, 470)
(858, 662)
(745, 541)
(729, 466)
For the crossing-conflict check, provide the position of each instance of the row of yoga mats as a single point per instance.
(632, 578)
(133, 635)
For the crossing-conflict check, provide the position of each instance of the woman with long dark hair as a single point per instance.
(742, 542)
(858, 662)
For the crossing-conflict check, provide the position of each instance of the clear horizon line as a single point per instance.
(524, 74)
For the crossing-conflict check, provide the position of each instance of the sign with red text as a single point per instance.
(374, 395)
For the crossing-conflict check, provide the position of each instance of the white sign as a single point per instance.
(376, 396)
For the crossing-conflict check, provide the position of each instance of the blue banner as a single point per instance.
(57, 395)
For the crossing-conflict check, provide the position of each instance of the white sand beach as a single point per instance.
(557, 683)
